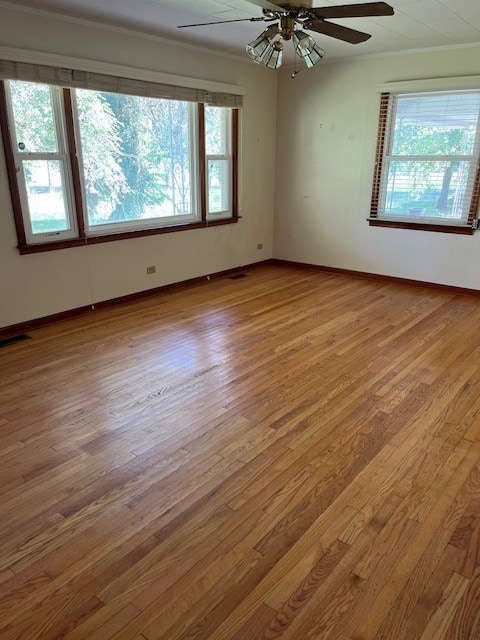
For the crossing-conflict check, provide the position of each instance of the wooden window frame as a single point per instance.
(83, 239)
(378, 221)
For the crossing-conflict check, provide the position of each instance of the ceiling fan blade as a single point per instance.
(205, 24)
(337, 31)
(363, 10)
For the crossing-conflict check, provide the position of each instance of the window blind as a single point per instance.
(377, 174)
(74, 78)
(427, 153)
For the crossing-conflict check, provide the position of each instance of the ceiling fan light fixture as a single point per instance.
(303, 43)
(273, 56)
(313, 56)
(257, 48)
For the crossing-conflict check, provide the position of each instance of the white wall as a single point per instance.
(327, 122)
(38, 285)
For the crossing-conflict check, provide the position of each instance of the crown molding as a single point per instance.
(126, 31)
(408, 52)
(389, 54)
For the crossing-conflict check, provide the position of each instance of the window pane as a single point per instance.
(427, 189)
(46, 195)
(436, 124)
(34, 117)
(218, 186)
(137, 157)
(217, 131)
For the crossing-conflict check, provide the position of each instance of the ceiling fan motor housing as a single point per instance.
(287, 27)
(300, 4)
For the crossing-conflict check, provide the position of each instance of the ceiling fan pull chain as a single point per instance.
(296, 70)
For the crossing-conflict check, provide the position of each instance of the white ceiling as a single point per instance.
(416, 24)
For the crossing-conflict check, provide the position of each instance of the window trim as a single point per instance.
(83, 238)
(225, 157)
(61, 155)
(375, 220)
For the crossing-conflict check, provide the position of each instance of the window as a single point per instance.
(137, 160)
(92, 166)
(427, 170)
(218, 143)
(41, 161)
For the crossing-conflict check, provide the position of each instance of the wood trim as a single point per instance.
(379, 154)
(235, 160)
(22, 327)
(364, 275)
(420, 226)
(183, 284)
(11, 168)
(72, 313)
(202, 160)
(73, 153)
(27, 249)
(475, 203)
(112, 237)
(36, 323)
(218, 223)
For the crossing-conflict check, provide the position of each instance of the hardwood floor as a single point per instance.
(291, 455)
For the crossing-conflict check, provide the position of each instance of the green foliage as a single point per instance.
(432, 141)
(105, 181)
(34, 120)
(136, 152)
(429, 140)
(215, 130)
(152, 152)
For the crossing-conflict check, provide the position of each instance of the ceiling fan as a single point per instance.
(289, 21)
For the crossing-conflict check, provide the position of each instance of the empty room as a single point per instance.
(239, 320)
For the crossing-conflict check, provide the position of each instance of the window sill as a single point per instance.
(112, 237)
(420, 226)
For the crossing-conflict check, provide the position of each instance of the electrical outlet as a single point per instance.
(151, 269)
(259, 246)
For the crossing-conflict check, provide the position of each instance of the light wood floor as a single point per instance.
(290, 455)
